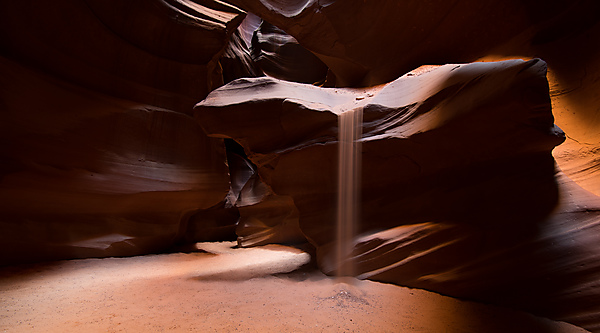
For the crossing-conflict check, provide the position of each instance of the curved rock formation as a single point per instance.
(365, 43)
(549, 267)
(99, 156)
(458, 180)
(286, 132)
(87, 175)
(237, 61)
(159, 52)
(575, 80)
(279, 55)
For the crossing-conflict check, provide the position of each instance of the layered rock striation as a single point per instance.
(87, 175)
(161, 53)
(98, 153)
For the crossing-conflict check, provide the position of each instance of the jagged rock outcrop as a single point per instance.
(458, 180)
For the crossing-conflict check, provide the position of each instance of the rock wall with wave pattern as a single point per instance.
(99, 154)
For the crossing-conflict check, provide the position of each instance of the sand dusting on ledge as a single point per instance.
(224, 289)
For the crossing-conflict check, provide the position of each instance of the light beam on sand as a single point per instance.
(246, 263)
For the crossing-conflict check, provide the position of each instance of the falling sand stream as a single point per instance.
(349, 171)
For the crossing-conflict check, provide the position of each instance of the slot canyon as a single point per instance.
(184, 165)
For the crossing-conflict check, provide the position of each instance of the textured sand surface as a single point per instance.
(223, 289)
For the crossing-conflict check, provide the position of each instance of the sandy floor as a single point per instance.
(225, 289)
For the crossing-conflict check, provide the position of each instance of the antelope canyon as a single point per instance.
(299, 166)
